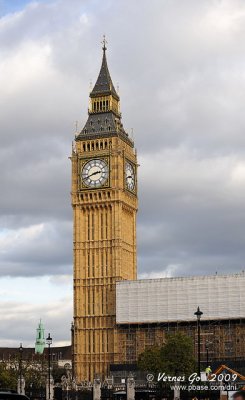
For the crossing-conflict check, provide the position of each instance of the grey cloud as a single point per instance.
(20, 320)
(37, 250)
(180, 69)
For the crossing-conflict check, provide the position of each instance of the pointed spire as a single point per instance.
(104, 84)
(104, 42)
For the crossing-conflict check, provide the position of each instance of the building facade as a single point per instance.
(104, 202)
(149, 309)
(117, 317)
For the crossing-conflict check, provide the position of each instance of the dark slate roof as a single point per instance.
(104, 84)
(104, 124)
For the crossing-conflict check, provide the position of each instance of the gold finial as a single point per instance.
(104, 42)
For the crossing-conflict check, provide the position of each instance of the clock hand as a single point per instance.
(94, 173)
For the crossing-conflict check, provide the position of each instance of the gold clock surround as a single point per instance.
(83, 162)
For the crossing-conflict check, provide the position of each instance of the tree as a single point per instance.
(8, 376)
(175, 357)
(150, 359)
(178, 355)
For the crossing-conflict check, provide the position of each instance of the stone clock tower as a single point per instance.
(104, 202)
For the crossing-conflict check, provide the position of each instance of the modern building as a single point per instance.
(115, 316)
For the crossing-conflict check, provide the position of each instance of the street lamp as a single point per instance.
(198, 314)
(20, 366)
(49, 342)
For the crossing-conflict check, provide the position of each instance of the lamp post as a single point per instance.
(20, 366)
(198, 314)
(49, 342)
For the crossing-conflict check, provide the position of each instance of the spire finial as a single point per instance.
(104, 42)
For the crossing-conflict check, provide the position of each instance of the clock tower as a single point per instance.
(104, 202)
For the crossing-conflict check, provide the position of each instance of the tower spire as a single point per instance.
(104, 42)
(104, 85)
(104, 116)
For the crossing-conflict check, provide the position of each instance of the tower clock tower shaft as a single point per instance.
(104, 202)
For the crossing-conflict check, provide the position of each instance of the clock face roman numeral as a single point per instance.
(95, 173)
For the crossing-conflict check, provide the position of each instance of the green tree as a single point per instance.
(175, 357)
(8, 376)
(150, 359)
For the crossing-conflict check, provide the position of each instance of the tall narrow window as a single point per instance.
(106, 262)
(88, 263)
(89, 347)
(88, 230)
(92, 301)
(93, 334)
(93, 260)
(89, 301)
(102, 300)
(102, 263)
(102, 342)
(106, 301)
(107, 342)
(92, 227)
(106, 225)
(101, 226)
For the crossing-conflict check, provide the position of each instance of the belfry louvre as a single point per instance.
(115, 316)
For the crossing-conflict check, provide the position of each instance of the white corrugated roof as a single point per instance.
(176, 299)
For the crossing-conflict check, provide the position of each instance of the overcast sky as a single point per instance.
(180, 66)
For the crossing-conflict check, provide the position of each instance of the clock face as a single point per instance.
(129, 176)
(95, 173)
